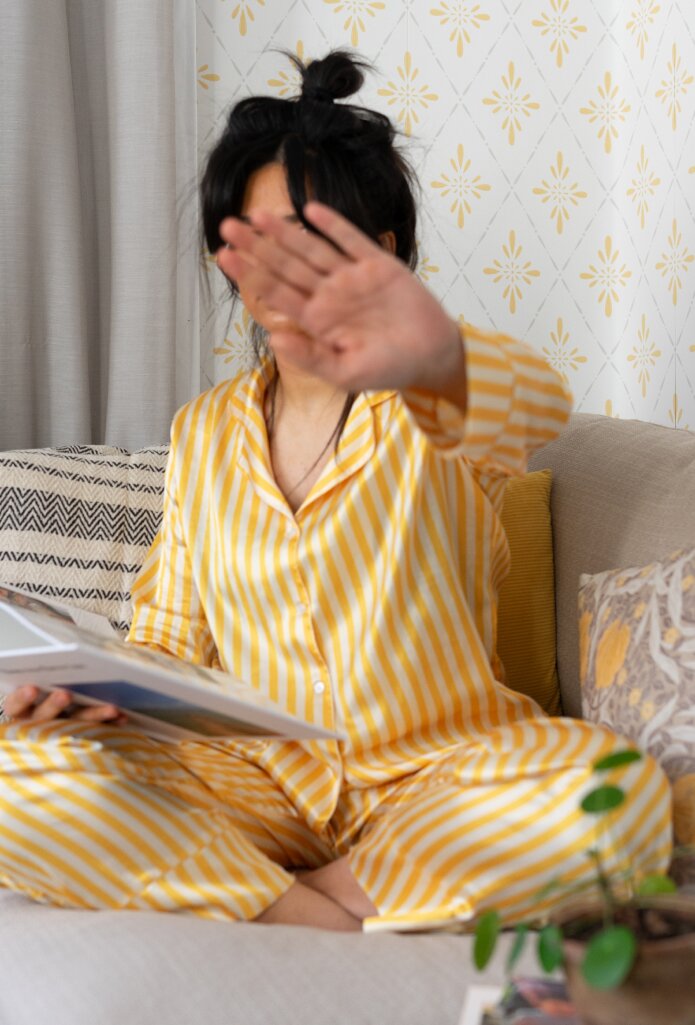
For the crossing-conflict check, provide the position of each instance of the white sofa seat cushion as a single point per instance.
(62, 967)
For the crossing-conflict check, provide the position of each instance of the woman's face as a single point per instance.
(266, 190)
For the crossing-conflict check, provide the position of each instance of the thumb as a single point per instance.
(297, 348)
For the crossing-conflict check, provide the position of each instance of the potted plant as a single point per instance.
(627, 948)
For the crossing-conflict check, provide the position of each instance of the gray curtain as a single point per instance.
(98, 212)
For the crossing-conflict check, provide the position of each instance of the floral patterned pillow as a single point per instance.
(637, 666)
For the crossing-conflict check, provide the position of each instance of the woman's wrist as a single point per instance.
(448, 379)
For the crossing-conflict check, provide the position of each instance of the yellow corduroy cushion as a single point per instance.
(526, 617)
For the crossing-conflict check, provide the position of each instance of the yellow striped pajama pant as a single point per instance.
(93, 816)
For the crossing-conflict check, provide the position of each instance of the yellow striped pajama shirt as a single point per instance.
(371, 610)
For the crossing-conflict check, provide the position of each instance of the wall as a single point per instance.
(555, 143)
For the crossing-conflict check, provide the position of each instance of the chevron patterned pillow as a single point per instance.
(76, 523)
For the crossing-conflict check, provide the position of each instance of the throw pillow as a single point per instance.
(526, 612)
(76, 523)
(637, 666)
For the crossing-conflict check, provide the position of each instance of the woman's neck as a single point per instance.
(303, 416)
(300, 395)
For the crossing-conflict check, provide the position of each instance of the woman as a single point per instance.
(331, 536)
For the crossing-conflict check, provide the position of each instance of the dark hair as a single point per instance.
(346, 153)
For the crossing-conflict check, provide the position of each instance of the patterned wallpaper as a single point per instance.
(555, 144)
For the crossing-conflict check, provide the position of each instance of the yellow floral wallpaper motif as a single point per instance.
(608, 276)
(425, 270)
(288, 81)
(205, 77)
(643, 187)
(560, 192)
(244, 11)
(561, 26)
(640, 22)
(238, 349)
(608, 110)
(561, 130)
(560, 355)
(463, 187)
(512, 271)
(644, 355)
(512, 103)
(357, 11)
(461, 18)
(675, 413)
(675, 261)
(677, 82)
(408, 95)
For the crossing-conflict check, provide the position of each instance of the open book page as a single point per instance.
(478, 1001)
(50, 646)
(524, 1001)
(69, 613)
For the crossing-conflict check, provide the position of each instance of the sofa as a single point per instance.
(623, 495)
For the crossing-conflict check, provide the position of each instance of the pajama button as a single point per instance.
(319, 687)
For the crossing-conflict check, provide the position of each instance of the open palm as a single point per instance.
(364, 320)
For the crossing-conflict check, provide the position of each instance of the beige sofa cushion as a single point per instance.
(623, 495)
(63, 967)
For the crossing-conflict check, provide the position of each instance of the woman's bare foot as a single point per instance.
(302, 905)
(335, 880)
(328, 897)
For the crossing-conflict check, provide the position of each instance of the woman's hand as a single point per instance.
(366, 322)
(30, 704)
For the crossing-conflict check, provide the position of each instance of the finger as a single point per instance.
(267, 252)
(341, 231)
(277, 294)
(300, 350)
(97, 713)
(328, 361)
(20, 701)
(51, 706)
(323, 257)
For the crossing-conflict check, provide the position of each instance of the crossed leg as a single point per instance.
(489, 824)
(98, 817)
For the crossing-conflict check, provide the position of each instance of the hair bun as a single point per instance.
(335, 76)
(318, 93)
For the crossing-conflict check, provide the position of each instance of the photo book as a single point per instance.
(524, 1001)
(54, 645)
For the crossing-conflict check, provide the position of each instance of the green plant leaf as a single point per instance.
(517, 947)
(602, 799)
(609, 957)
(487, 930)
(550, 948)
(656, 883)
(617, 759)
